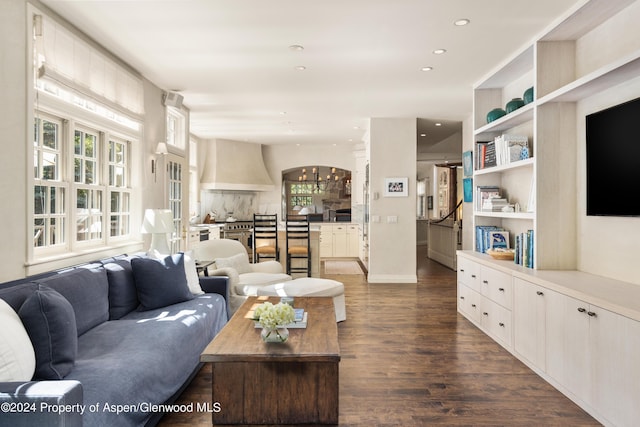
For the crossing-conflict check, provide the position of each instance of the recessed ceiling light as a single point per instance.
(461, 22)
(423, 135)
(300, 68)
(296, 48)
(439, 51)
(438, 124)
(426, 68)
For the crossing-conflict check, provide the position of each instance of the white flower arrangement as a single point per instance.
(271, 316)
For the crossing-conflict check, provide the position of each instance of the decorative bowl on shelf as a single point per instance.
(514, 104)
(527, 97)
(495, 114)
(502, 254)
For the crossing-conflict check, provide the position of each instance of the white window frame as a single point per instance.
(176, 129)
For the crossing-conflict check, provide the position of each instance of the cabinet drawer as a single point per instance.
(496, 321)
(469, 273)
(469, 303)
(497, 286)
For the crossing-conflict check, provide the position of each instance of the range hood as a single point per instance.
(233, 165)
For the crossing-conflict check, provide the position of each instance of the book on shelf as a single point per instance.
(511, 148)
(483, 236)
(524, 245)
(484, 154)
(484, 192)
(300, 321)
(494, 204)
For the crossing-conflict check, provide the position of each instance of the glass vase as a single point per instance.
(279, 334)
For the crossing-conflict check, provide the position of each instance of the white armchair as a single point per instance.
(231, 259)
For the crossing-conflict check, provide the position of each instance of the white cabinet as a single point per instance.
(353, 240)
(589, 352)
(529, 322)
(485, 297)
(593, 353)
(339, 241)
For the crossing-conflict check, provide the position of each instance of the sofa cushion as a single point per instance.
(17, 356)
(51, 324)
(160, 283)
(239, 262)
(123, 296)
(87, 289)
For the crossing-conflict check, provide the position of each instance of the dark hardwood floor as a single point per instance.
(409, 359)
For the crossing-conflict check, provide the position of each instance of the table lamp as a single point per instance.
(158, 223)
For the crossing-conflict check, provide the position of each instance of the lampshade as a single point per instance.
(157, 221)
(297, 207)
(161, 148)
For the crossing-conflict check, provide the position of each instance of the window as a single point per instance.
(175, 202)
(175, 128)
(301, 194)
(49, 213)
(119, 194)
(71, 204)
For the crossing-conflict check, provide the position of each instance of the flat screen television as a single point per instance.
(613, 160)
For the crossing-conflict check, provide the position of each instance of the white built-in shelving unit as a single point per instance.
(579, 331)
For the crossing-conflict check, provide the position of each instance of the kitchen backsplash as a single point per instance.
(241, 205)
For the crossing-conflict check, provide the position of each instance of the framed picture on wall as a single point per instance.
(467, 186)
(467, 163)
(396, 187)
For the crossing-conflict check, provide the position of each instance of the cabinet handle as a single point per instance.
(582, 309)
(473, 275)
(461, 297)
(501, 289)
(539, 293)
(501, 324)
(473, 305)
(592, 314)
(462, 270)
(485, 313)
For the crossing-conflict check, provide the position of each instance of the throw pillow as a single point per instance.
(193, 281)
(51, 324)
(123, 296)
(239, 262)
(87, 289)
(160, 282)
(17, 356)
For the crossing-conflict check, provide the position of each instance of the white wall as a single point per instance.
(467, 208)
(392, 245)
(13, 136)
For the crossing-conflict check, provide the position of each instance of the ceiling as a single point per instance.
(232, 61)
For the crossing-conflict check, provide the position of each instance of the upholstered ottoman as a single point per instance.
(310, 287)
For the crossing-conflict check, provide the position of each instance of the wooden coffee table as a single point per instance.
(276, 383)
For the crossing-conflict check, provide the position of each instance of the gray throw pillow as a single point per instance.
(51, 325)
(160, 282)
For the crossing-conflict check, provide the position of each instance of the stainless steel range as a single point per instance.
(240, 231)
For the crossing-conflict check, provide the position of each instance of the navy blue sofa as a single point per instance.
(128, 362)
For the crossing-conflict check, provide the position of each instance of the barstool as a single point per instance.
(265, 228)
(298, 243)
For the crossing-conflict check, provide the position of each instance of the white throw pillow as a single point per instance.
(17, 357)
(192, 274)
(239, 262)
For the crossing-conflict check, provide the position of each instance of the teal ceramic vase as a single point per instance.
(528, 95)
(514, 104)
(495, 114)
